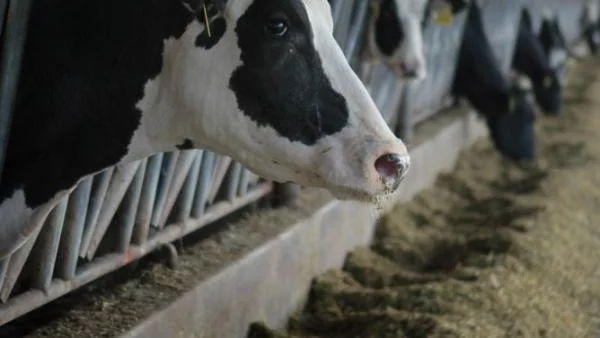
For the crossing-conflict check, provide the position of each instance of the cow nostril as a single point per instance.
(392, 168)
(408, 69)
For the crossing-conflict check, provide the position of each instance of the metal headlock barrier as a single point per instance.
(127, 211)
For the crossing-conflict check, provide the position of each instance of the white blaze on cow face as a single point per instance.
(277, 94)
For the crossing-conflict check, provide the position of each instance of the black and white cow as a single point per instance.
(113, 81)
(554, 43)
(395, 32)
(505, 104)
(529, 59)
(591, 25)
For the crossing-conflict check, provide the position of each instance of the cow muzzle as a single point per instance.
(392, 168)
(371, 170)
(408, 70)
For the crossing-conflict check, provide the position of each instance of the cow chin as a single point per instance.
(342, 182)
(408, 75)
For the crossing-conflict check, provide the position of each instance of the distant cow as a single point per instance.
(395, 32)
(591, 25)
(505, 104)
(554, 43)
(529, 59)
(114, 81)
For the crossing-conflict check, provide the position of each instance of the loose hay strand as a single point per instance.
(206, 21)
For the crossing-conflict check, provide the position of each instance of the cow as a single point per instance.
(591, 25)
(554, 43)
(505, 103)
(261, 81)
(529, 59)
(395, 32)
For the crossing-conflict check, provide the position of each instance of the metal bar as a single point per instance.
(144, 214)
(164, 184)
(405, 124)
(73, 230)
(218, 177)
(3, 268)
(10, 66)
(15, 265)
(357, 31)
(184, 163)
(121, 180)
(254, 178)
(244, 182)
(336, 10)
(47, 247)
(204, 184)
(101, 182)
(342, 24)
(232, 188)
(190, 187)
(33, 299)
(130, 206)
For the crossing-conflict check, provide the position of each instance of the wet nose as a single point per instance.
(392, 168)
(407, 69)
(410, 68)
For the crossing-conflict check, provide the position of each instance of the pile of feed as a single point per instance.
(495, 249)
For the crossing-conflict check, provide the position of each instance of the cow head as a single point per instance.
(590, 22)
(395, 32)
(552, 40)
(513, 133)
(548, 92)
(265, 83)
(531, 59)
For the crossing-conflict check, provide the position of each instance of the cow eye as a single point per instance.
(277, 27)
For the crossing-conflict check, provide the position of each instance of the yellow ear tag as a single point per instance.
(206, 21)
(511, 104)
(547, 81)
(444, 17)
(375, 9)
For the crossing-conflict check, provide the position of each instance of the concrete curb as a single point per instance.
(272, 281)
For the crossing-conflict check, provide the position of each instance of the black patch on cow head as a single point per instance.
(217, 28)
(281, 82)
(186, 145)
(551, 35)
(526, 19)
(478, 76)
(389, 33)
(210, 14)
(530, 59)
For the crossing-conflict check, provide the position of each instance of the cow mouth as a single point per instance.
(346, 193)
(401, 71)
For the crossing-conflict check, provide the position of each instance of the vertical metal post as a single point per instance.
(404, 130)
